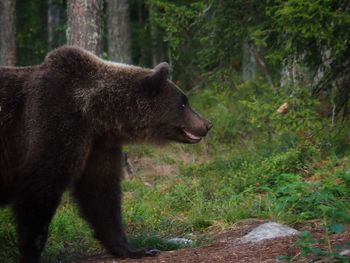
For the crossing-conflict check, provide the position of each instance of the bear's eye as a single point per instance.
(183, 105)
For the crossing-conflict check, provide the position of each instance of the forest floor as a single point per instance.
(227, 247)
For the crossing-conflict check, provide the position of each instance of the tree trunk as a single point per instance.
(55, 15)
(119, 35)
(84, 24)
(8, 32)
(295, 72)
(249, 63)
(260, 61)
(141, 20)
(156, 47)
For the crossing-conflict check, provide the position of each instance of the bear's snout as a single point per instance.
(196, 126)
(199, 124)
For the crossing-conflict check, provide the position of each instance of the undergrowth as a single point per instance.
(255, 163)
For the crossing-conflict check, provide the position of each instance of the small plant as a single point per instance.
(311, 248)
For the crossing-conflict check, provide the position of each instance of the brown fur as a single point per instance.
(63, 124)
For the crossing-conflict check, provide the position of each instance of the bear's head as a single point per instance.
(168, 115)
(132, 104)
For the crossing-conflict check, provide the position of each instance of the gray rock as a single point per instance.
(345, 252)
(181, 241)
(268, 231)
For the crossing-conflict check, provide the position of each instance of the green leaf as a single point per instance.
(336, 228)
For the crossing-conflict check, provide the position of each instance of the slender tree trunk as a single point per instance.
(141, 21)
(8, 32)
(119, 35)
(85, 24)
(156, 47)
(260, 61)
(55, 13)
(249, 63)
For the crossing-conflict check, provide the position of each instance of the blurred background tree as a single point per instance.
(84, 26)
(118, 31)
(31, 31)
(8, 32)
(56, 23)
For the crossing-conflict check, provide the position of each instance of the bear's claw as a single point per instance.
(152, 252)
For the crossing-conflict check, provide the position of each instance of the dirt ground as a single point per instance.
(226, 247)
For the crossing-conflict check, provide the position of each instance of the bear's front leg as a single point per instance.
(98, 192)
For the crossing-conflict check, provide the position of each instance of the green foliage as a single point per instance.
(8, 240)
(306, 242)
(32, 31)
(178, 23)
(310, 249)
(311, 200)
(31, 35)
(311, 24)
(207, 37)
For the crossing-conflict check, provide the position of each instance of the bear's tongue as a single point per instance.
(191, 135)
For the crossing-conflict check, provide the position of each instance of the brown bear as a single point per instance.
(62, 127)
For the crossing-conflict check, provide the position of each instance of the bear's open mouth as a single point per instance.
(192, 137)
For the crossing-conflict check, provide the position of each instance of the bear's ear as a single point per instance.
(153, 83)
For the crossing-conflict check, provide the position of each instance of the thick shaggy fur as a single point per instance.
(62, 126)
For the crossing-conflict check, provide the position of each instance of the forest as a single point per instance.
(272, 76)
